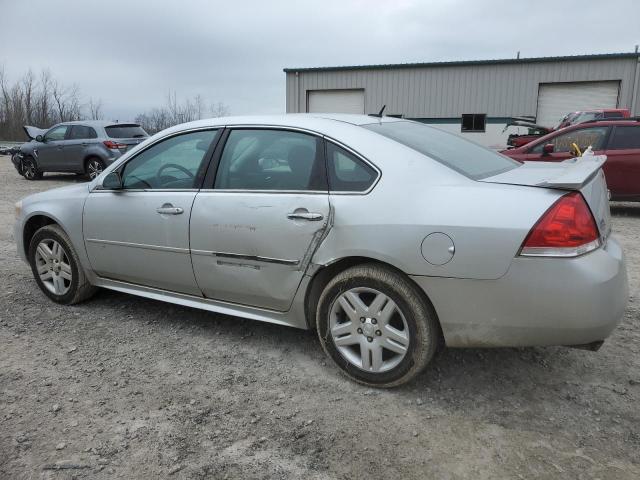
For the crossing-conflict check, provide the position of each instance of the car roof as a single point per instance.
(311, 121)
(97, 123)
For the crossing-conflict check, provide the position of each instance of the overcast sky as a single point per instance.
(131, 53)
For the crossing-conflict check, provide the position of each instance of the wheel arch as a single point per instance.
(32, 225)
(325, 273)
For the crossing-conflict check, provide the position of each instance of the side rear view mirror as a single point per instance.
(547, 149)
(39, 138)
(112, 181)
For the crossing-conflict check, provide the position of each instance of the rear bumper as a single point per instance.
(539, 301)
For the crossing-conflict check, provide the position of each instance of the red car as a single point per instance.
(573, 118)
(619, 140)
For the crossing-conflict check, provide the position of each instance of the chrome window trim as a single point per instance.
(280, 192)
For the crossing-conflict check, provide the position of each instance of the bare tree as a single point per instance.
(219, 109)
(95, 109)
(39, 100)
(175, 112)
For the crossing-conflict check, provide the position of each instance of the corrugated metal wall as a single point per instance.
(499, 90)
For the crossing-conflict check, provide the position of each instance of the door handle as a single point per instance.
(168, 209)
(312, 217)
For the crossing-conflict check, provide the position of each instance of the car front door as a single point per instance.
(77, 141)
(140, 233)
(594, 137)
(622, 168)
(50, 151)
(254, 229)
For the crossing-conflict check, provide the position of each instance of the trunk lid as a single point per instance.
(583, 174)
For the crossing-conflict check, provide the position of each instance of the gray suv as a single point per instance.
(83, 147)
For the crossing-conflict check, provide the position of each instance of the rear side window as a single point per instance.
(583, 137)
(347, 173)
(271, 160)
(81, 132)
(125, 131)
(625, 137)
(459, 154)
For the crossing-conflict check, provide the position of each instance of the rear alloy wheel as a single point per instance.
(30, 169)
(376, 326)
(94, 168)
(56, 267)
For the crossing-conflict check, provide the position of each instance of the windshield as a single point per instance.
(455, 152)
(126, 131)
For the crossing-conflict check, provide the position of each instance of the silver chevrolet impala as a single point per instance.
(386, 236)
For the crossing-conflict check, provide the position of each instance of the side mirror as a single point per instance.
(547, 149)
(39, 138)
(112, 181)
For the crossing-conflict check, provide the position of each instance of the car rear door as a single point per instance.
(255, 227)
(140, 234)
(77, 141)
(622, 168)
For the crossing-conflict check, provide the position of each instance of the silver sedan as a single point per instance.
(388, 237)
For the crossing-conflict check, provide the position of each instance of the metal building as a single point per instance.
(474, 98)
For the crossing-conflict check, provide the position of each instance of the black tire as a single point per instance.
(79, 289)
(421, 321)
(30, 169)
(93, 165)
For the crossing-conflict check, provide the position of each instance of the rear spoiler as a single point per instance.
(33, 132)
(582, 170)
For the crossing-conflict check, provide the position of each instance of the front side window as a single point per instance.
(81, 132)
(457, 153)
(625, 137)
(271, 160)
(347, 173)
(584, 137)
(56, 133)
(174, 163)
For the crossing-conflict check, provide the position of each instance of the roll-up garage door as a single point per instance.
(335, 101)
(555, 100)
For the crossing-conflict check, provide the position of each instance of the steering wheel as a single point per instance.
(172, 165)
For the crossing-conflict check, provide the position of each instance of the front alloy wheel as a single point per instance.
(30, 170)
(53, 266)
(56, 267)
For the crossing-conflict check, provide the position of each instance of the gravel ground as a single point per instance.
(124, 387)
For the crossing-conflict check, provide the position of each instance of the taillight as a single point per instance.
(114, 145)
(567, 229)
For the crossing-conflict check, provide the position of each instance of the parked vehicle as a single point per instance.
(588, 115)
(536, 131)
(84, 147)
(619, 140)
(385, 235)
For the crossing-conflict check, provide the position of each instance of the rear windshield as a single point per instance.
(455, 152)
(126, 131)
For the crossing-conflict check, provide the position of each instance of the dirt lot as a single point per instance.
(123, 387)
